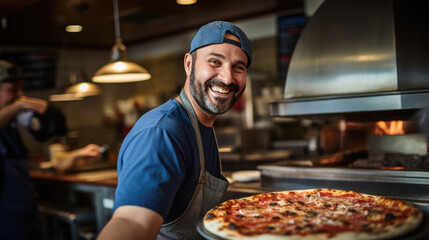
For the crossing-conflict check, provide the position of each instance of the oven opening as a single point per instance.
(395, 145)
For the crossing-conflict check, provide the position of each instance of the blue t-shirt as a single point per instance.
(158, 163)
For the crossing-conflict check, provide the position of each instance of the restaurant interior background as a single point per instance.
(106, 118)
(315, 141)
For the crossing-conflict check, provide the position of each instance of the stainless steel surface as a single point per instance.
(405, 144)
(406, 185)
(346, 174)
(347, 47)
(350, 103)
(359, 56)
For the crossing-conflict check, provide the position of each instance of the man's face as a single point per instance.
(218, 76)
(9, 92)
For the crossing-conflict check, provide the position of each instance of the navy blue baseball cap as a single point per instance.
(214, 33)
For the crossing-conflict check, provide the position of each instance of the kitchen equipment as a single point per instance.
(358, 63)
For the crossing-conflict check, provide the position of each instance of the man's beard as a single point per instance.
(200, 96)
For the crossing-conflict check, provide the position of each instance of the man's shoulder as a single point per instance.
(169, 117)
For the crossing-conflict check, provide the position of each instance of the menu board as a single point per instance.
(289, 29)
(38, 68)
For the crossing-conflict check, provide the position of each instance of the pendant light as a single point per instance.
(186, 2)
(60, 95)
(80, 87)
(120, 70)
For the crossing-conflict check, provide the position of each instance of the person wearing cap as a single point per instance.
(19, 219)
(18, 210)
(169, 171)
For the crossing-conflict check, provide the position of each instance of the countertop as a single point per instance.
(106, 177)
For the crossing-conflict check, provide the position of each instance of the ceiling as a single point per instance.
(41, 22)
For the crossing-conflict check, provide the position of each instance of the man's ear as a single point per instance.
(188, 64)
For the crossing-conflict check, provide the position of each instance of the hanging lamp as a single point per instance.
(120, 70)
(80, 87)
(60, 95)
(186, 2)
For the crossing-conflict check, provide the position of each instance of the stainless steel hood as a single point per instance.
(359, 56)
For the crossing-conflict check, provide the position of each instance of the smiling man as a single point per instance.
(169, 171)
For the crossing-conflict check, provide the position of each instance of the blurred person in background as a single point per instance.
(19, 218)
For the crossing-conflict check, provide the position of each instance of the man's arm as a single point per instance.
(132, 222)
(10, 111)
(69, 160)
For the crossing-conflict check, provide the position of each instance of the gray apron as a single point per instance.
(208, 192)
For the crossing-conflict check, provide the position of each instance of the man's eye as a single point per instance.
(214, 62)
(240, 68)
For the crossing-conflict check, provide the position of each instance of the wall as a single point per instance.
(93, 119)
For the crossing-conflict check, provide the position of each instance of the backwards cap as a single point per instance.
(214, 33)
(8, 71)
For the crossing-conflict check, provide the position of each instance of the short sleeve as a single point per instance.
(151, 170)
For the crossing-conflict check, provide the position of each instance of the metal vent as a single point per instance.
(359, 56)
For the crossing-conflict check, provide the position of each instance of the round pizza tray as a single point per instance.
(420, 233)
(206, 234)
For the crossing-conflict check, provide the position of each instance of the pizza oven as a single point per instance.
(360, 75)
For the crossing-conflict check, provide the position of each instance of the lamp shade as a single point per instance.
(83, 89)
(121, 71)
(64, 97)
(186, 2)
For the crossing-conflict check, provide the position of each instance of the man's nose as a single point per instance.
(226, 75)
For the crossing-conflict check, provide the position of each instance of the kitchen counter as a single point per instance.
(106, 177)
(98, 186)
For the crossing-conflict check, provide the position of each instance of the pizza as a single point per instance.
(312, 214)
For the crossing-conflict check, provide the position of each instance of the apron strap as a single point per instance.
(191, 114)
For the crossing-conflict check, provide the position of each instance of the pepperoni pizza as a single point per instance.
(312, 214)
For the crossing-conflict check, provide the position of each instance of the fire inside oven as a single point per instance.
(389, 145)
(394, 145)
(369, 144)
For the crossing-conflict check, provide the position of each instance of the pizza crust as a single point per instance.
(218, 226)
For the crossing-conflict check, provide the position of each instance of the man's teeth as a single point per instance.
(219, 89)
